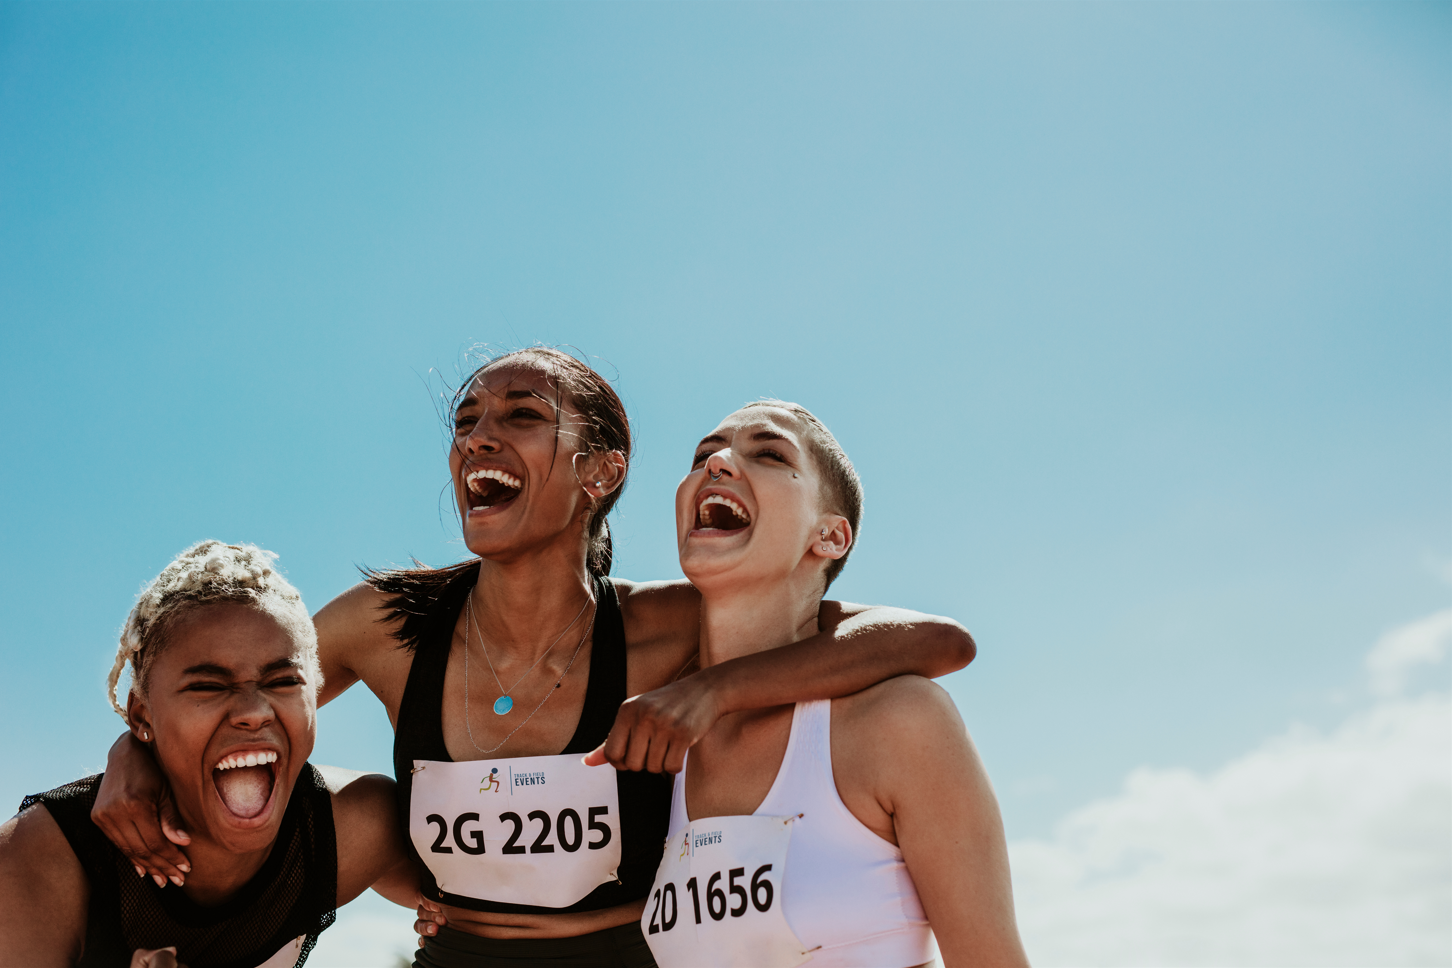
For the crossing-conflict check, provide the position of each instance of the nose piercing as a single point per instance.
(715, 475)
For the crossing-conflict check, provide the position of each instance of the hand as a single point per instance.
(159, 958)
(135, 811)
(430, 919)
(653, 731)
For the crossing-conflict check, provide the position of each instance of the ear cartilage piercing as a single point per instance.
(824, 532)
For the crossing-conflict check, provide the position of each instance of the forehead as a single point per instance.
(508, 382)
(226, 634)
(752, 420)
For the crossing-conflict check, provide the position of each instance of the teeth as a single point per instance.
(503, 477)
(736, 509)
(247, 759)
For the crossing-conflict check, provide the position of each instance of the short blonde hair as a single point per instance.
(209, 573)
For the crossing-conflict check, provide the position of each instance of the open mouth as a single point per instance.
(719, 513)
(244, 782)
(491, 488)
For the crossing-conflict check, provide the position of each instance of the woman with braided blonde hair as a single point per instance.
(224, 683)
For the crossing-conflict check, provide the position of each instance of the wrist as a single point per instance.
(716, 691)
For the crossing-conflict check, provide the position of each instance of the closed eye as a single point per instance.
(771, 454)
(286, 682)
(700, 457)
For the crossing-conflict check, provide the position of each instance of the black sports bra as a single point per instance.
(427, 627)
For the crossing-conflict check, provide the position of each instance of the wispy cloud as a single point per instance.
(1309, 850)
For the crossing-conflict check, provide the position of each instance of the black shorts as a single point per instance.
(619, 947)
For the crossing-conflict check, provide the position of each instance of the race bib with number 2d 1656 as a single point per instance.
(539, 830)
(717, 896)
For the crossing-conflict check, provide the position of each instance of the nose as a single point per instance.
(719, 465)
(251, 709)
(481, 439)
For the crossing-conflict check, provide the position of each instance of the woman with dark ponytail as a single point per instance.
(502, 672)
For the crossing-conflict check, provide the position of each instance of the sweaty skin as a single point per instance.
(902, 760)
(228, 681)
(532, 582)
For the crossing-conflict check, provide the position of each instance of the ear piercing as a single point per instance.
(823, 532)
(598, 483)
(145, 736)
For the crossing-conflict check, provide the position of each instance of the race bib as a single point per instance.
(539, 830)
(717, 897)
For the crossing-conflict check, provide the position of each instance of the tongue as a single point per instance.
(245, 789)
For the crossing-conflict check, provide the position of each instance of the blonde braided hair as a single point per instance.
(210, 572)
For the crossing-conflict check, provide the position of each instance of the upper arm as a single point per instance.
(365, 824)
(927, 775)
(662, 629)
(348, 633)
(44, 894)
(934, 645)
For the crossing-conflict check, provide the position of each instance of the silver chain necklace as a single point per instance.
(505, 702)
(549, 692)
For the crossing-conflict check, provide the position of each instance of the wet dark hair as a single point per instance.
(581, 393)
(841, 487)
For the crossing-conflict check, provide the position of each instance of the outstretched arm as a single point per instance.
(859, 646)
(370, 842)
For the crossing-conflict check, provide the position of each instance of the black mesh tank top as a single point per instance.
(293, 895)
(427, 628)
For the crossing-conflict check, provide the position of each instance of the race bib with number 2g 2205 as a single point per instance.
(717, 896)
(539, 830)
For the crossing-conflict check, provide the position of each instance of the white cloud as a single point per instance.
(1310, 850)
(1399, 650)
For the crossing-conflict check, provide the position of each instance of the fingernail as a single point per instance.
(175, 880)
(140, 871)
(160, 881)
(184, 868)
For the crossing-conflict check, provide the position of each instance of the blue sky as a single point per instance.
(1135, 319)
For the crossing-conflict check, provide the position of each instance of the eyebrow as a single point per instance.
(222, 672)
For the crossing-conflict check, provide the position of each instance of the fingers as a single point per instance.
(596, 757)
(173, 830)
(146, 847)
(156, 958)
(430, 919)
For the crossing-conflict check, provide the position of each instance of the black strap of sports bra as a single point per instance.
(420, 731)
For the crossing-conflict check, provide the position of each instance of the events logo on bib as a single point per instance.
(685, 844)
(490, 782)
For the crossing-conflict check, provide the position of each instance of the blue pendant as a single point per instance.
(503, 705)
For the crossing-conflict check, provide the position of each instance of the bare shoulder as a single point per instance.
(41, 882)
(354, 616)
(662, 629)
(903, 703)
(354, 643)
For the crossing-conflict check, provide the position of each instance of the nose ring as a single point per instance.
(715, 475)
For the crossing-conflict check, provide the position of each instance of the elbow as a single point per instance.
(958, 647)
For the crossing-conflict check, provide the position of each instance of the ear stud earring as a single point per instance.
(823, 532)
(145, 735)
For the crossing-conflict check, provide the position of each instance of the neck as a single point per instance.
(745, 619)
(218, 873)
(522, 605)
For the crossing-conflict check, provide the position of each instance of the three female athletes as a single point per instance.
(499, 673)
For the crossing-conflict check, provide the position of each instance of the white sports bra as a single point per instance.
(846, 892)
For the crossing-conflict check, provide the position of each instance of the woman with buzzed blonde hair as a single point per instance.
(225, 675)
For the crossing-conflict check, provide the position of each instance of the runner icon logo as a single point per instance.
(490, 782)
